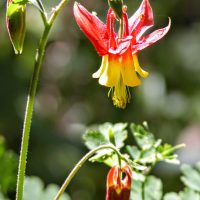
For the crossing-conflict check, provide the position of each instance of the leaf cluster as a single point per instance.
(143, 152)
(151, 187)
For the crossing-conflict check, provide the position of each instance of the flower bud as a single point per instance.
(116, 5)
(118, 188)
(16, 24)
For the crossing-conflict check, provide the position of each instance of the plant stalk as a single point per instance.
(31, 98)
(79, 165)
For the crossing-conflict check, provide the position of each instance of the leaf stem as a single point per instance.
(80, 163)
(30, 100)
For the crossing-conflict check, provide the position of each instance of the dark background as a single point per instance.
(68, 98)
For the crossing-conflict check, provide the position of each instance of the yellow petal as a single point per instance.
(129, 75)
(138, 69)
(111, 74)
(102, 67)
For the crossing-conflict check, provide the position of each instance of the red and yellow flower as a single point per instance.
(118, 189)
(120, 67)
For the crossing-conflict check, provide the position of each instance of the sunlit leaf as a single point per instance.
(189, 194)
(34, 189)
(2, 197)
(191, 177)
(133, 151)
(106, 134)
(8, 168)
(143, 137)
(149, 189)
(171, 196)
(153, 188)
(136, 190)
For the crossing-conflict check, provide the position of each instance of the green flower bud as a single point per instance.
(116, 5)
(16, 24)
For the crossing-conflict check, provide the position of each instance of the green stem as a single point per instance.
(30, 100)
(79, 165)
(121, 28)
(143, 188)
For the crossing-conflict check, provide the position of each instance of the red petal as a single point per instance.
(127, 181)
(113, 177)
(93, 28)
(141, 20)
(151, 38)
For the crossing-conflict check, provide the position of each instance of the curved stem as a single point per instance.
(30, 100)
(79, 165)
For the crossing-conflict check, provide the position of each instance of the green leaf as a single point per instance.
(106, 134)
(171, 196)
(143, 137)
(34, 189)
(105, 156)
(136, 190)
(153, 188)
(94, 138)
(2, 196)
(189, 194)
(133, 151)
(8, 168)
(198, 166)
(191, 177)
(120, 134)
(148, 156)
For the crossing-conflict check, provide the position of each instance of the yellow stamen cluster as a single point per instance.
(120, 94)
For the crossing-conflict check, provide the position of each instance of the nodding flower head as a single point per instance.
(118, 188)
(120, 68)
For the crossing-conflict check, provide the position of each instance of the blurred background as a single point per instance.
(68, 99)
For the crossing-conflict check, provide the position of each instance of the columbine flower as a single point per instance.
(120, 67)
(118, 189)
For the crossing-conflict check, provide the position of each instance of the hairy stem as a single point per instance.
(30, 100)
(79, 165)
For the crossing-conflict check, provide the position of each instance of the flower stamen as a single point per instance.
(120, 94)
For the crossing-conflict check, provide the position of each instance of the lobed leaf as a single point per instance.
(171, 196)
(34, 189)
(106, 134)
(191, 177)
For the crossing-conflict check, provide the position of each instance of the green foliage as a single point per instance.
(149, 189)
(149, 149)
(106, 134)
(34, 189)
(146, 154)
(8, 168)
(191, 177)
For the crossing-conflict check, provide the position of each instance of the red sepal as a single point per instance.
(150, 39)
(141, 20)
(93, 28)
(118, 189)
